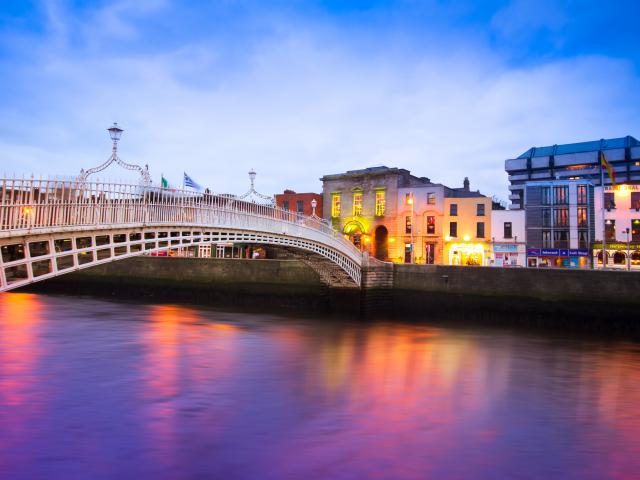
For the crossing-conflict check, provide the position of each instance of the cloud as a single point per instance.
(299, 99)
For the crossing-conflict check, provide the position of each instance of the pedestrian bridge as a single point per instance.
(50, 227)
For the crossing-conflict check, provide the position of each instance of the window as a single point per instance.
(299, 206)
(561, 195)
(453, 229)
(546, 217)
(582, 194)
(508, 230)
(546, 195)
(480, 210)
(453, 209)
(408, 198)
(561, 217)
(381, 203)
(635, 230)
(480, 230)
(285, 205)
(609, 200)
(583, 239)
(407, 224)
(561, 239)
(546, 239)
(582, 216)
(610, 230)
(335, 205)
(431, 198)
(431, 225)
(357, 204)
(635, 200)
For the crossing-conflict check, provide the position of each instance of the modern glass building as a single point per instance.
(574, 161)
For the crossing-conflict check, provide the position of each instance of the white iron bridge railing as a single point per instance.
(37, 206)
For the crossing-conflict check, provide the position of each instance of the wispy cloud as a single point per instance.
(296, 95)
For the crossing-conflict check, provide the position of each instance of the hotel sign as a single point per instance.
(557, 252)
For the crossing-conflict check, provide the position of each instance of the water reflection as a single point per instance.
(167, 391)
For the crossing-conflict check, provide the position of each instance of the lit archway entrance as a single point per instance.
(381, 243)
(355, 232)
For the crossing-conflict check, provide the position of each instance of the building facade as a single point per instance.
(508, 238)
(467, 227)
(560, 223)
(619, 220)
(576, 161)
(300, 202)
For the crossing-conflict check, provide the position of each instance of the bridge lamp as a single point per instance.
(115, 132)
(314, 204)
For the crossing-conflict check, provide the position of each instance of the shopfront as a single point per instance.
(621, 256)
(509, 255)
(558, 258)
(468, 253)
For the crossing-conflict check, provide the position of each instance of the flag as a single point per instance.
(188, 182)
(163, 182)
(607, 166)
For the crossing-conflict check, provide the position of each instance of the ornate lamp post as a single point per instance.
(410, 202)
(628, 232)
(314, 204)
(115, 133)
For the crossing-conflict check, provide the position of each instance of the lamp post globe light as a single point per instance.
(314, 204)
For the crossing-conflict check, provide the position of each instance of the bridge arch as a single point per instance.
(51, 228)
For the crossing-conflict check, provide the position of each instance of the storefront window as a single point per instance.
(619, 258)
(635, 258)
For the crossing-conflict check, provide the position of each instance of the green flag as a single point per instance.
(163, 182)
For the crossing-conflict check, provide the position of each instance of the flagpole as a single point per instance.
(604, 223)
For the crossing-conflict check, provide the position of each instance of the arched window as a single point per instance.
(619, 258)
(600, 257)
(635, 258)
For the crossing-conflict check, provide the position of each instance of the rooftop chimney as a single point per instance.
(465, 184)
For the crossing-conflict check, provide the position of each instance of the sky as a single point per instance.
(298, 89)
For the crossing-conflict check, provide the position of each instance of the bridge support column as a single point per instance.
(376, 297)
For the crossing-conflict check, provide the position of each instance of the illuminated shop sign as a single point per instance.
(557, 252)
(505, 248)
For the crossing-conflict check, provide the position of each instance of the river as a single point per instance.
(94, 389)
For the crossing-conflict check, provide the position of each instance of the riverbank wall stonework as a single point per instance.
(607, 300)
(594, 300)
(249, 284)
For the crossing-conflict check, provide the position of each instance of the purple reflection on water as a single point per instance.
(92, 389)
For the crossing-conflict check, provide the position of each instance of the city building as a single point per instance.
(508, 238)
(387, 212)
(559, 222)
(300, 202)
(575, 161)
(467, 226)
(621, 225)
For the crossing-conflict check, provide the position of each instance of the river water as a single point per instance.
(91, 389)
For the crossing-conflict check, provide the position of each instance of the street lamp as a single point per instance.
(410, 202)
(314, 204)
(628, 231)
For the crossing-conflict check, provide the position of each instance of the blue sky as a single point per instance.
(298, 89)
